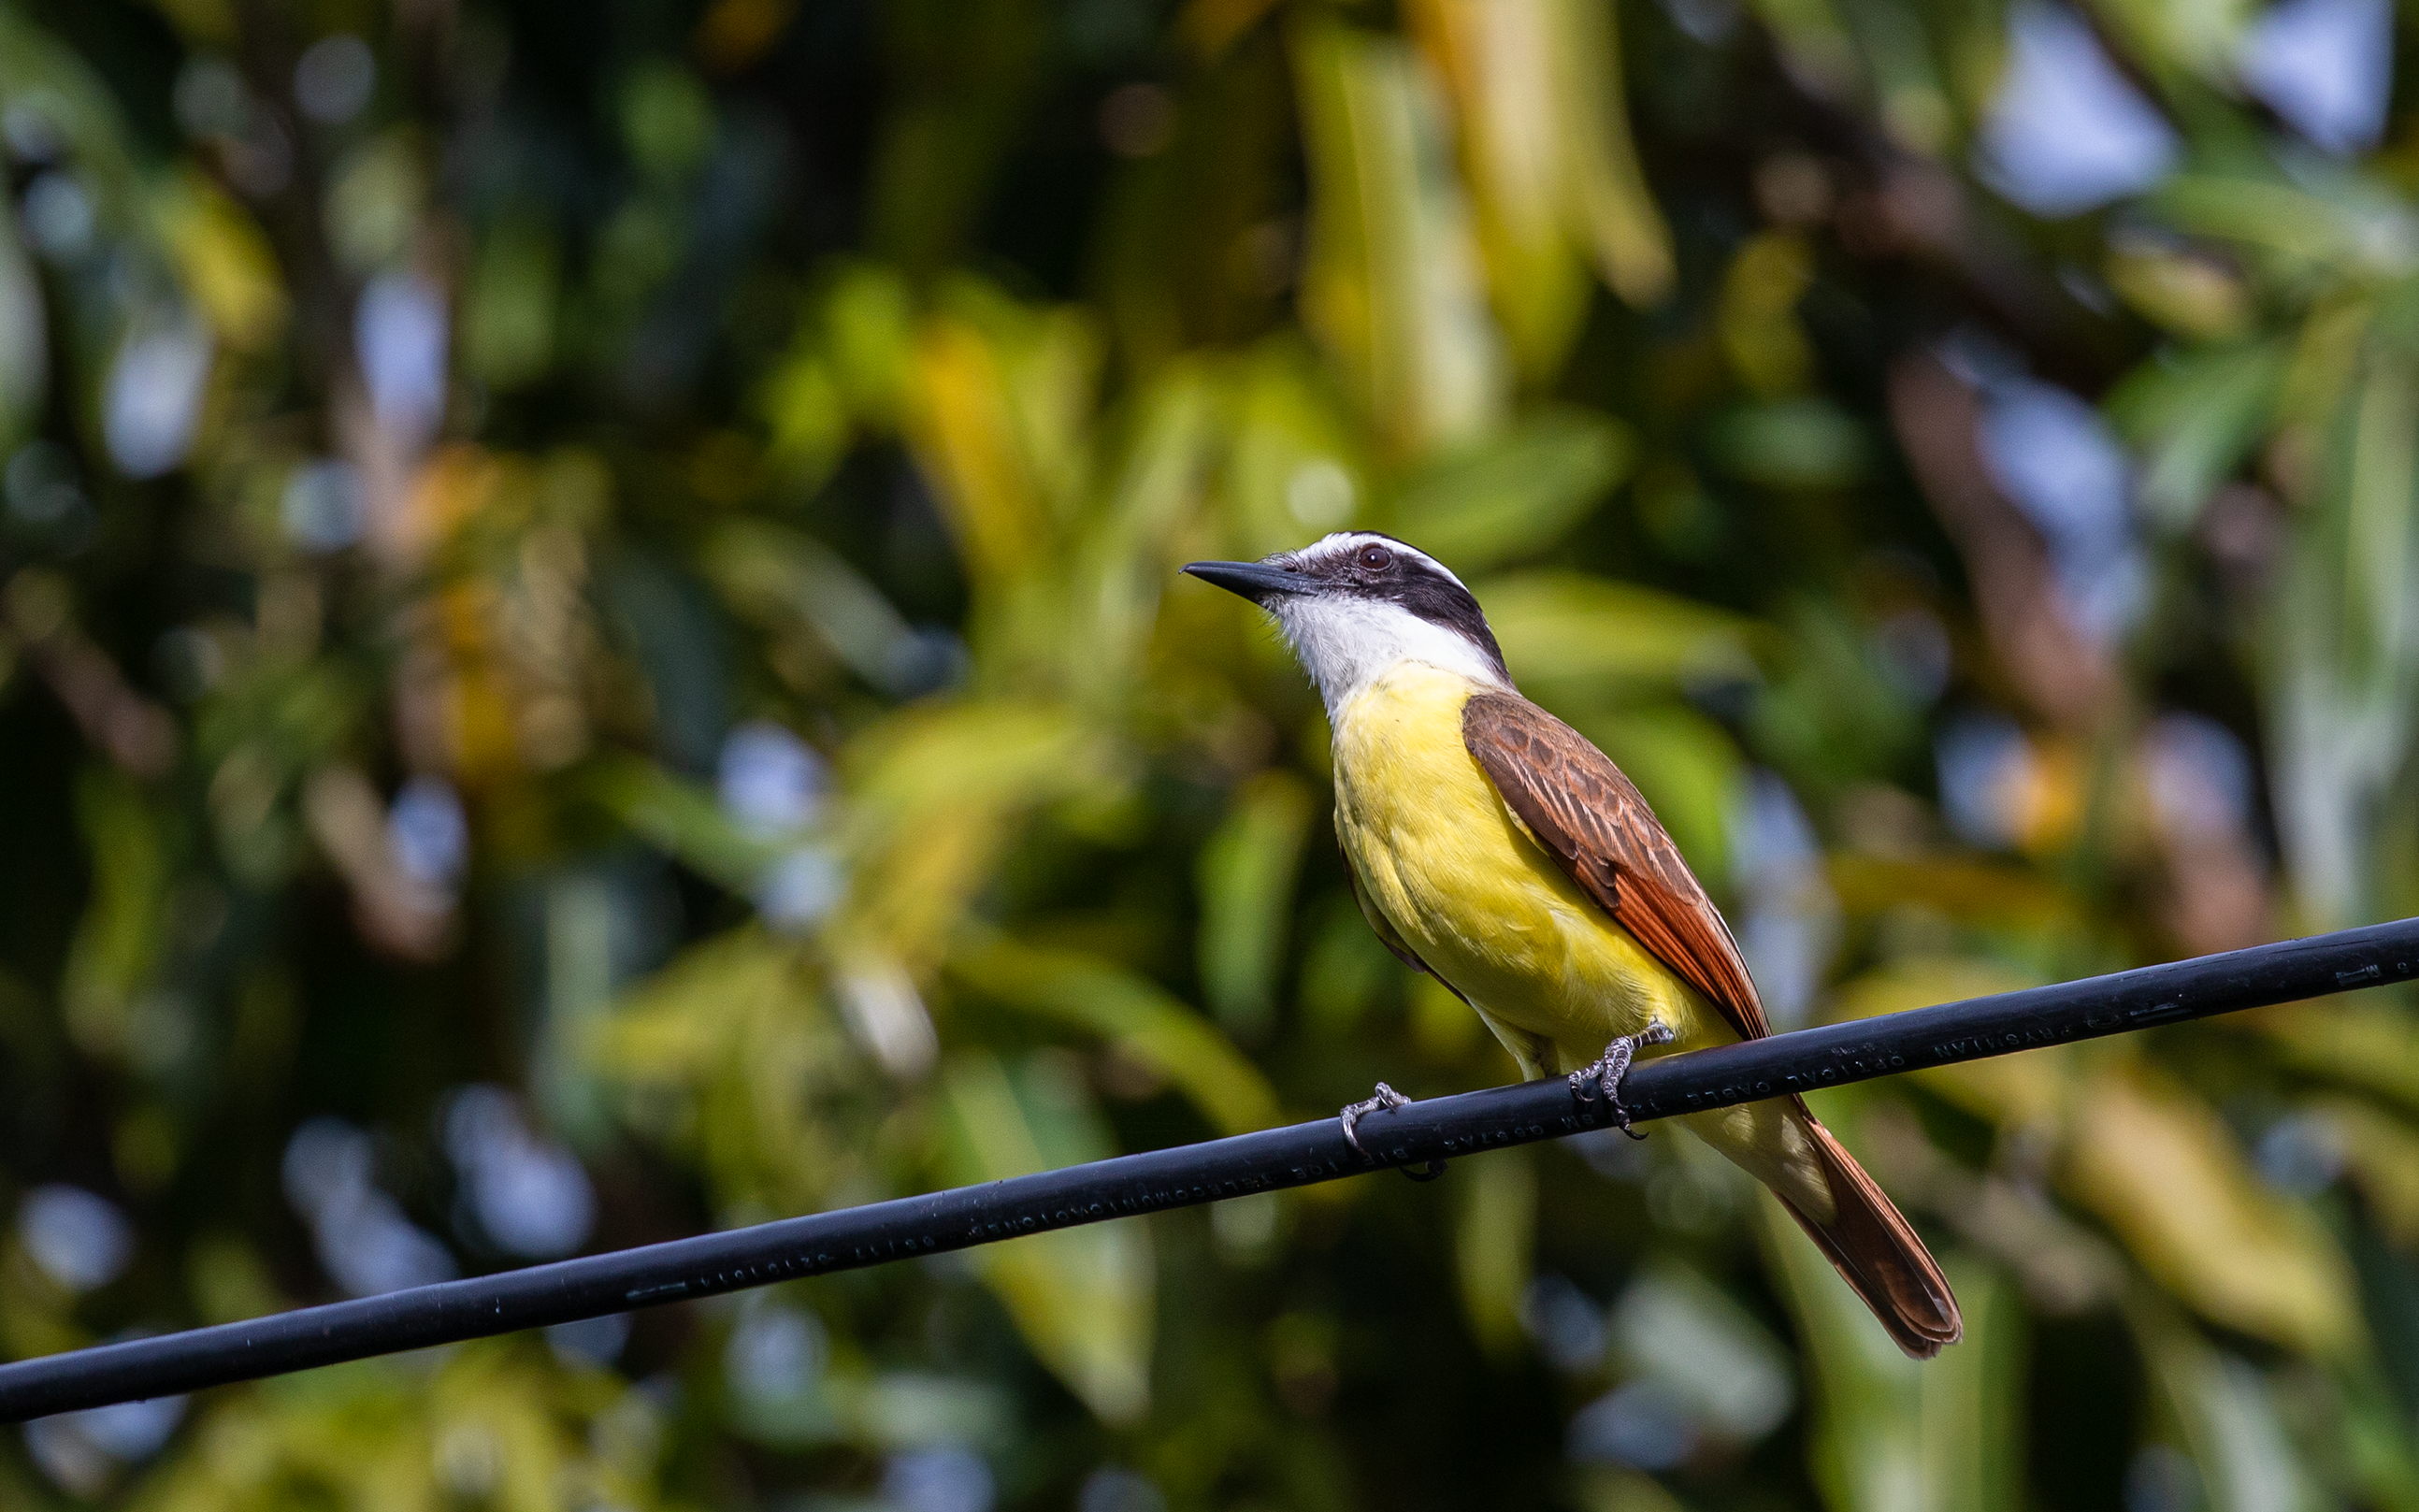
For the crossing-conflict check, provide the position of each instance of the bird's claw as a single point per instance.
(1384, 1099)
(1607, 1071)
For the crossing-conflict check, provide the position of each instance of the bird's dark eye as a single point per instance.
(1375, 557)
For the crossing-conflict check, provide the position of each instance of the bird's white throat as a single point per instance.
(1347, 642)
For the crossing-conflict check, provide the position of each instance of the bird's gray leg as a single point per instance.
(1382, 1100)
(1607, 1073)
(1378, 1102)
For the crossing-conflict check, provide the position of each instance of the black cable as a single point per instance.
(1304, 1153)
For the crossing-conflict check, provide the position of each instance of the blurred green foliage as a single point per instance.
(588, 650)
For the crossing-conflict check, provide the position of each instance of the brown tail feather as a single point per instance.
(1879, 1253)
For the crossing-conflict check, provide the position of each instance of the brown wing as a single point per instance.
(1593, 821)
(1588, 816)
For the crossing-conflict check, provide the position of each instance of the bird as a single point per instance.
(1495, 848)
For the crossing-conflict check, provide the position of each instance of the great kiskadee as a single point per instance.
(1493, 847)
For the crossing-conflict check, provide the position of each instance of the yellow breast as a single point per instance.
(1476, 899)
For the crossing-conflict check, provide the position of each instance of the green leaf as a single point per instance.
(1141, 1020)
(1816, 43)
(1518, 494)
(1246, 876)
(2196, 417)
(1345, 967)
(508, 309)
(2317, 224)
(906, 1409)
(2369, 1042)
(1128, 548)
(2167, 40)
(779, 576)
(24, 343)
(1585, 640)
(869, 336)
(678, 817)
(1889, 1432)
(2227, 1416)
(1674, 1327)
(735, 1055)
(1790, 444)
(1081, 1297)
(936, 791)
(119, 940)
(2343, 668)
(1295, 467)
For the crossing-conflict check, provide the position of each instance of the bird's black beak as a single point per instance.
(1253, 581)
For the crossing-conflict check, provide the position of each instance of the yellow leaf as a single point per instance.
(1757, 320)
(2381, 1153)
(1496, 57)
(1494, 1238)
(1981, 893)
(1391, 282)
(1545, 142)
(2158, 1168)
(2194, 296)
(971, 452)
(2371, 1044)
(933, 792)
(225, 261)
(1617, 219)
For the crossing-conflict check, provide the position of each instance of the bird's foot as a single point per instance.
(1607, 1071)
(1385, 1099)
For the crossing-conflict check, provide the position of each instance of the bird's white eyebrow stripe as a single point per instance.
(1342, 541)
